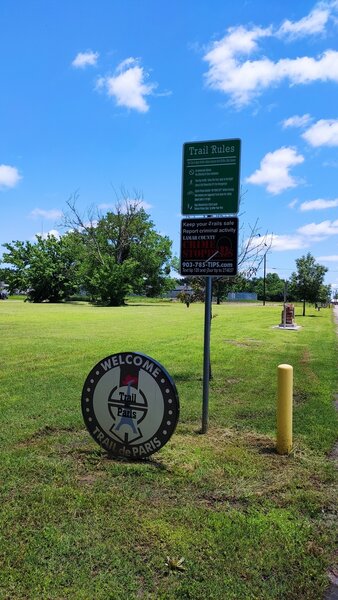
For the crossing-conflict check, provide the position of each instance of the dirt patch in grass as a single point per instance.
(306, 362)
(306, 357)
(44, 432)
(232, 381)
(249, 414)
(300, 397)
(333, 455)
(218, 499)
(89, 478)
(246, 343)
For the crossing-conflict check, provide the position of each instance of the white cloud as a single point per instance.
(9, 176)
(293, 203)
(128, 86)
(126, 64)
(281, 243)
(331, 163)
(305, 236)
(233, 72)
(140, 204)
(52, 233)
(90, 224)
(318, 204)
(227, 74)
(106, 206)
(330, 258)
(274, 170)
(143, 204)
(322, 133)
(311, 24)
(85, 59)
(46, 214)
(296, 121)
(319, 230)
(243, 81)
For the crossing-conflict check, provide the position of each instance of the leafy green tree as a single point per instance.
(221, 288)
(325, 294)
(122, 253)
(186, 296)
(306, 284)
(223, 285)
(45, 269)
(274, 287)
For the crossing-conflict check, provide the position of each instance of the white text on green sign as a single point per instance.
(210, 182)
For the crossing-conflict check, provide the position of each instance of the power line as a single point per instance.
(291, 270)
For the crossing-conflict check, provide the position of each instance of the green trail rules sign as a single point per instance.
(210, 179)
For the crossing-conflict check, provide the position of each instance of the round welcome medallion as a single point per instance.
(130, 405)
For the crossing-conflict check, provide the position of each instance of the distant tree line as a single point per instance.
(108, 257)
(306, 284)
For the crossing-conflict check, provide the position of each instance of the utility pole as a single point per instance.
(264, 279)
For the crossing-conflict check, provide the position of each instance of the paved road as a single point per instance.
(335, 312)
(332, 593)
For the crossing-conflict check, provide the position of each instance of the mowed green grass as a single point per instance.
(250, 524)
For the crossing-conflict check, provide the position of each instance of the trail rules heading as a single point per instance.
(209, 246)
(210, 178)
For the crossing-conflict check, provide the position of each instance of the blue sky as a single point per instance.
(95, 96)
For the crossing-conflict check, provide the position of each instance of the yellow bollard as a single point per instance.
(284, 409)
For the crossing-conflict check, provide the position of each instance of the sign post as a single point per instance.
(208, 247)
(209, 244)
(206, 356)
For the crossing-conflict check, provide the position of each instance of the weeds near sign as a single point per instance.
(175, 565)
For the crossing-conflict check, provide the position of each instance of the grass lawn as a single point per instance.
(76, 524)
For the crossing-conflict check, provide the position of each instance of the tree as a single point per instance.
(186, 296)
(122, 252)
(306, 284)
(325, 292)
(251, 251)
(44, 270)
(274, 287)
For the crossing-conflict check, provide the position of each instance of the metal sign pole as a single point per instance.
(206, 358)
(209, 245)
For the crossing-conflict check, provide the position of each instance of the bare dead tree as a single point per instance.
(252, 249)
(253, 244)
(125, 212)
(75, 221)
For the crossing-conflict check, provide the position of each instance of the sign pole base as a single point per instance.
(206, 358)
